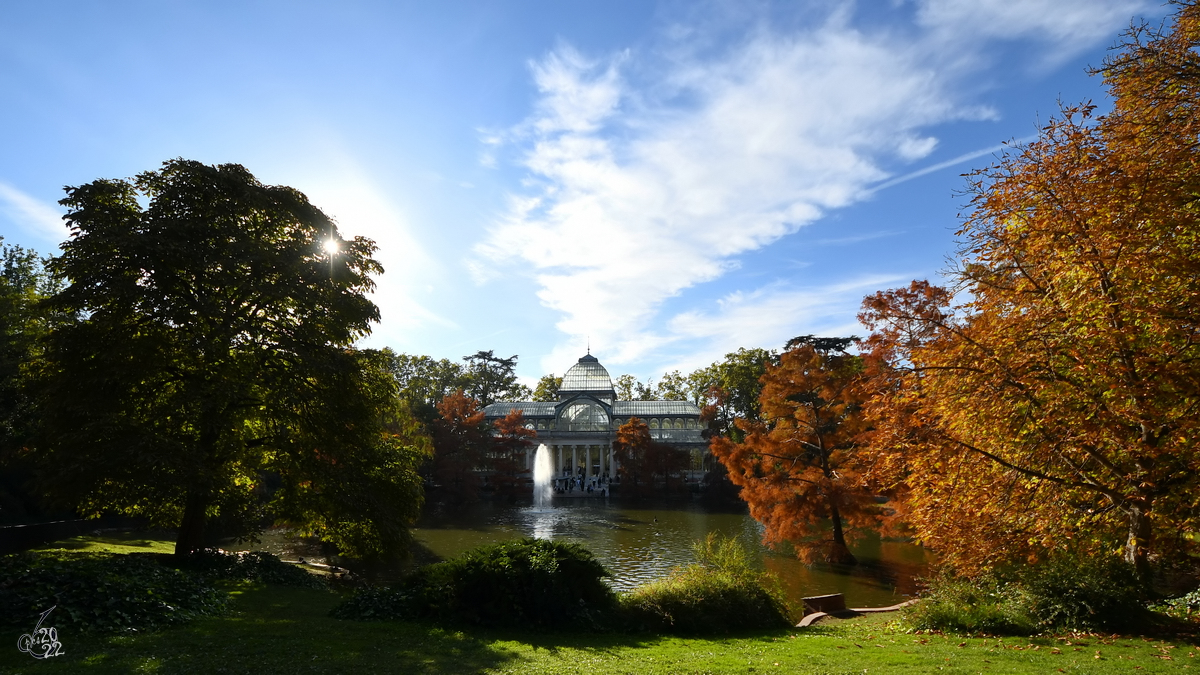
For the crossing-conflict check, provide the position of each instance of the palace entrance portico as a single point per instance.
(587, 459)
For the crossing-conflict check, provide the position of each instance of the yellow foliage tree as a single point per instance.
(1060, 400)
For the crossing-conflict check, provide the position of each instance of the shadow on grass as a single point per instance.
(271, 630)
(1154, 625)
(601, 642)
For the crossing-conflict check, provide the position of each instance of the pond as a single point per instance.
(639, 541)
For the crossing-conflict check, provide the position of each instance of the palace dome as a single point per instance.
(586, 376)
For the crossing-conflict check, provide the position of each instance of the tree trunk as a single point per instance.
(191, 529)
(1138, 542)
(839, 553)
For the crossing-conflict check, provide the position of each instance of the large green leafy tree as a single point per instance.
(729, 390)
(424, 381)
(490, 378)
(24, 282)
(672, 387)
(547, 388)
(213, 374)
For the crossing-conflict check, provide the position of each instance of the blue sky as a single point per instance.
(671, 180)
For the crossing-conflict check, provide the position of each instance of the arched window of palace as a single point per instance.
(678, 423)
(654, 423)
(584, 417)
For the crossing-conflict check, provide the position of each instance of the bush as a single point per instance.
(101, 592)
(972, 606)
(719, 594)
(1066, 592)
(1080, 592)
(530, 583)
(259, 566)
(1183, 607)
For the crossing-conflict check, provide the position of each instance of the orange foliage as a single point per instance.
(460, 439)
(799, 467)
(1061, 401)
(642, 460)
(510, 444)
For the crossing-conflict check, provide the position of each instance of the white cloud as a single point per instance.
(994, 150)
(1069, 25)
(39, 220)
(569, 104)
(772, 315)
(782, 130)
(643, 185)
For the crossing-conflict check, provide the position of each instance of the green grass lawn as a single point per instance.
(116, 541)
(286, 630)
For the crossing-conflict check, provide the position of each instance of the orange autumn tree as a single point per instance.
(641, 459)
(798, 467)
(631, 445)
(460, 441)
(962, 504)
(511, 442)
(1059, 403)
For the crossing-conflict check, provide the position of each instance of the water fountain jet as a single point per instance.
(543, 474)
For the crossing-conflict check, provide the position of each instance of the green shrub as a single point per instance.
(1065, 592)
(1081, 592)
(972, 606)
(527, 583)
(1183, 607)
(252, 566)
(101, 592)
(721, 593)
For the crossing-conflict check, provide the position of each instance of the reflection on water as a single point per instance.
(640, 542)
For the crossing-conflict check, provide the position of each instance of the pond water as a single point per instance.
(641, 541)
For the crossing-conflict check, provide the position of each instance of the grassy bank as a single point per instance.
(116, 541)
(287, 630)
(279, 629)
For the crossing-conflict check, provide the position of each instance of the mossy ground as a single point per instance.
(287, 630)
